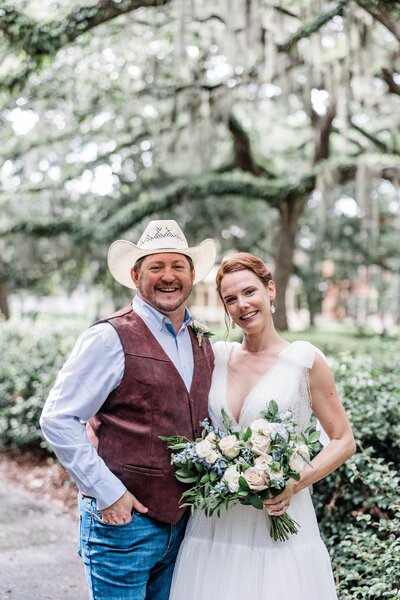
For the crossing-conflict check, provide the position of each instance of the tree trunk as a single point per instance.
(290, 212)
(4, 311)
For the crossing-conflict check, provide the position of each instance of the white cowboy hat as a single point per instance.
(159, 237)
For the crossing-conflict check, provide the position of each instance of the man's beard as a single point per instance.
(166, 306)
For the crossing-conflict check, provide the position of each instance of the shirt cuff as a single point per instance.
(105, 496)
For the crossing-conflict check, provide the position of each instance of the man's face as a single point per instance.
(164, 281)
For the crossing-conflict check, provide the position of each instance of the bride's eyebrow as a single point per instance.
(228, 297)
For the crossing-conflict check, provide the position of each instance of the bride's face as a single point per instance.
(247, 299)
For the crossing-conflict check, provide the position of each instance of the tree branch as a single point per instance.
(39, 39)
(323, 128)
(388, 17)
(156, 199)
(309, 28)
(375, 140)
(153, 200)
(243, 155)
(387, 76)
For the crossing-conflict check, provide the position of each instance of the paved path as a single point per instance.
(38, 558)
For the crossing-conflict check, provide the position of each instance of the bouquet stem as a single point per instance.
(282, 526)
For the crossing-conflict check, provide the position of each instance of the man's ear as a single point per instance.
(135, 276)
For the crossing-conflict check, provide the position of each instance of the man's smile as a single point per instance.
(168, 290)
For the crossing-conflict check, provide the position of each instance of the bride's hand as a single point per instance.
(279, 504)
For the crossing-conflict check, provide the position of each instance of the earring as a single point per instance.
(273, 309)
(233, 324)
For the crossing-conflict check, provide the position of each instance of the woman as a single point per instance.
(233, 556)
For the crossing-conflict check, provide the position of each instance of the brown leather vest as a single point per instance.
(151, 400)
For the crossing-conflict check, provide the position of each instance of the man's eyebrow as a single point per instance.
(161, 262)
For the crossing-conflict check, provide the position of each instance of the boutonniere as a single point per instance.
(200, 330)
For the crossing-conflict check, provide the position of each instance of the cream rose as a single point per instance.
(231, 478)
(296, 462)
(204, 448)
(213, 456)
(261, 426)
(256, 479)
(262, 463)
(229, 446)
(260, 444)
(211, 437)
(302, 449)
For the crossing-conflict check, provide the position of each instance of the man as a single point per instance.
(132, 377)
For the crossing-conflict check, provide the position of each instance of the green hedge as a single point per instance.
(357, 506)
(31, 353)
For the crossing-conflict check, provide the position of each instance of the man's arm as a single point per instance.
(94, 368)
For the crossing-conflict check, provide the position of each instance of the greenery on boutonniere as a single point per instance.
(200, 330)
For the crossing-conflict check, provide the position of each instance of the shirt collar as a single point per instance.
(154, 318)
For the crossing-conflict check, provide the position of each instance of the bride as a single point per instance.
(233, 556)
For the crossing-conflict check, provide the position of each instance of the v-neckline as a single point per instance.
(251, 391)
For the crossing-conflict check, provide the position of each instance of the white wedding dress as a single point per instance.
(233, 556)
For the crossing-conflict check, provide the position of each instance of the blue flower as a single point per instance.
(246, 454)
(276, 455)
(221, 487)
(279, 430)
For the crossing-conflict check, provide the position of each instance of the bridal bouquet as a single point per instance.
(246, 466)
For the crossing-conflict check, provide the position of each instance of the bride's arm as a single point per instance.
(329, 410)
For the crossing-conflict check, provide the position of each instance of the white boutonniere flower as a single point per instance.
(200, 330)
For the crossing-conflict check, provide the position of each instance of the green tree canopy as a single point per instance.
(113, 112)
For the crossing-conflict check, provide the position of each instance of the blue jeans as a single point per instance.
(134, 561)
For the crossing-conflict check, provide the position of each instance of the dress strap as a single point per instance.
(300, 353)
(221, 351)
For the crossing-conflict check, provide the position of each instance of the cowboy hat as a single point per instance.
(159, 237)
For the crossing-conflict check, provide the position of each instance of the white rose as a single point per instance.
(231, 478)
(263, 462)
(211, 437)
(261, 426)
(203, 448)
(260, 444)
(302, 449)
(212, 457)
(256, 479)
(229, 446)
(296, 462)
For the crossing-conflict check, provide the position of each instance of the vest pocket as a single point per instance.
(143, 470)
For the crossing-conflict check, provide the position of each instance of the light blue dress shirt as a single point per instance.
(95, 368)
